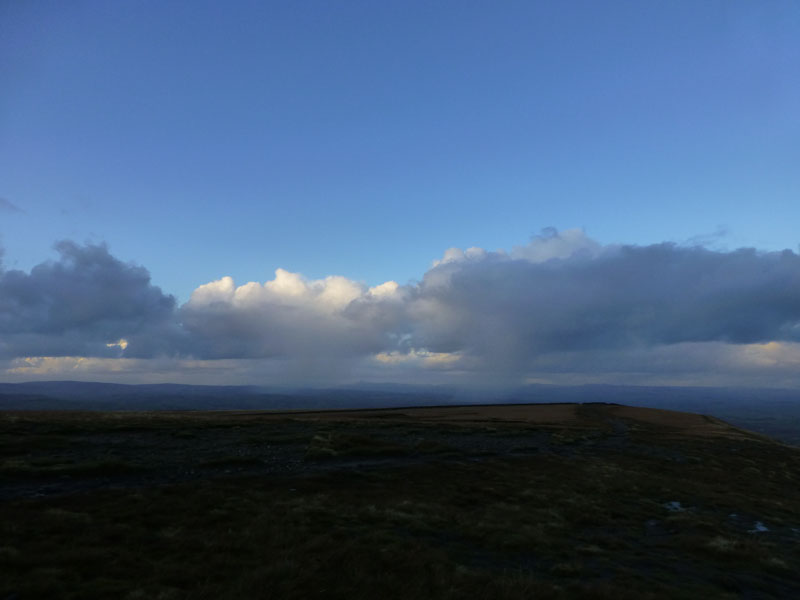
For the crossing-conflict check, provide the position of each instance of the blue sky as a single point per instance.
(363, 139)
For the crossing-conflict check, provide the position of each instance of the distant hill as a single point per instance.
(774, 412)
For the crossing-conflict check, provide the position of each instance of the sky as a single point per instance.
(448, 192)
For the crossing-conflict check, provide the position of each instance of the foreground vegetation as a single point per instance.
(583, 502)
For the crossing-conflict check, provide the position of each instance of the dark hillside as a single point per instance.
(537, 501)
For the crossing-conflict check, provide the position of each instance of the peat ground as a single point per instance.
(514, 501)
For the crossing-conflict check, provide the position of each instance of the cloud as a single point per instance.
(562, 297)
(9, 207)
(551, 244)
(441, 360)
(561, 307)
(772, 364)
(290, 316)
(508, 310)
(82, 304)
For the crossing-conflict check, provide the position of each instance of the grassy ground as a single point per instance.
(590, 502)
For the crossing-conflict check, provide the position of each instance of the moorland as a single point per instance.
(565, 500)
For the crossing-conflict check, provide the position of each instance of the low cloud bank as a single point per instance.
(562, 303)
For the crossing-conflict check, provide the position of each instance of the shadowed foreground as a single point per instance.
(533, 501)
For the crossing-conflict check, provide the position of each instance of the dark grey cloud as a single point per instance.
(510, 310)
(9, 207)
(79, 303)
